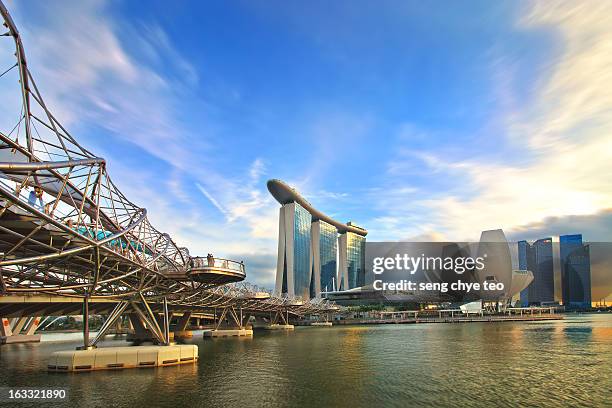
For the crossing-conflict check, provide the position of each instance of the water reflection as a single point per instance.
(555, 363)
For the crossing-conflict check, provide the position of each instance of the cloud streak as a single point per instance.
(560, 136)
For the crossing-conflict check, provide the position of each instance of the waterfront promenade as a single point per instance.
(513, 314)
(455, 319)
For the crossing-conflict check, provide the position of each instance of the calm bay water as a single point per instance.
(543, 364)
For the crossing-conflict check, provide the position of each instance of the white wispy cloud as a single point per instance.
(561, 136)
(244, 201)
(98, 70)
(212, 199)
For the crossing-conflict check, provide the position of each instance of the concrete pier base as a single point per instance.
(228, 333)
(321, 324)
(116, 358)
(183, 334)
(20, 338)
(144, 337)
(279, 327)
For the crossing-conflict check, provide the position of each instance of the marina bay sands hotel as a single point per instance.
(315, 252)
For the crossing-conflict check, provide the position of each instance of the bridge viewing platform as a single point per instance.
(216, 270)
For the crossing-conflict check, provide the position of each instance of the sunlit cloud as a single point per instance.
(560, 134)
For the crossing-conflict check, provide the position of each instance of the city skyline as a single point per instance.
(141, 243)
(444, 134)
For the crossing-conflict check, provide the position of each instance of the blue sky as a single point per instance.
(431, 121)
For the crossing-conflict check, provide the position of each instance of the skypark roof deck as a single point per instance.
(284, 194)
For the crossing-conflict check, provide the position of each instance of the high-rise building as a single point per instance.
(524, 253)
(352, 260)
(538, 258)
(575, 272)
(294, 259)
(316, 254)
(324, 257)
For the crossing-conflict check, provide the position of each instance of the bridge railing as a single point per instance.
(200, 262)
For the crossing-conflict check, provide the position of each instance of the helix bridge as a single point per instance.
(70, 240)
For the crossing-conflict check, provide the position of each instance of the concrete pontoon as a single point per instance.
(114, 358)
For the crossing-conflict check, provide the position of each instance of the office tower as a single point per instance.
(575, 272)
(524, 253)
(538, 258)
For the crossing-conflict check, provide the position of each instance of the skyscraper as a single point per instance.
(575, 272)
(309, 244)
(538, 258)
(294, 258)
(524, 253)
(351, 270)
(324, 252)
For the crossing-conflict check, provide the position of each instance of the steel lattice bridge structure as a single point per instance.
(69, 235)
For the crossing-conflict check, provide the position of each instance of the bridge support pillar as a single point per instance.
(161, 333)
(140, 332)
(12, 335)
(180, 331)
(119, 329)
(183, 322)
(5, 328)
(19, 324)
(234, 328)
(130, 326)
(85, 345)
(113, 317)
(280, 321)
(34, 323)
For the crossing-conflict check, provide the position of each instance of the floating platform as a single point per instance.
(321, 324)
(279, 327)
(20, 338)
(116, 358)
(228, 333)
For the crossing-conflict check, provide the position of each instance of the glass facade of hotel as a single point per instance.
(328, 246)
(314, 256)
(575, 272)
(355, 260)
(301, 251)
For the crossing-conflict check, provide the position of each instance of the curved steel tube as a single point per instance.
(119, 276)
(33, 166)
